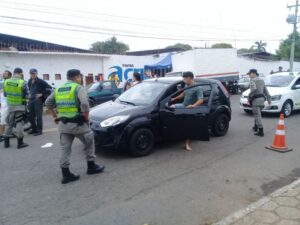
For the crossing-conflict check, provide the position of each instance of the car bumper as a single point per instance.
(107, 137)
(275, 107)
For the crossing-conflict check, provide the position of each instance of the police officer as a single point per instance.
(15, 91)
(72, 107)
(257, 96)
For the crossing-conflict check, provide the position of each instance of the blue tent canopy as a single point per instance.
(165, 63)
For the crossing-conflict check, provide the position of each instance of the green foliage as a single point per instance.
(182, 46)
(285, 47)
(259, 46)
(221, 45)
(110, 46)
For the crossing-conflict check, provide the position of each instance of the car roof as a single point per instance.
(174, 80)
(295, 74)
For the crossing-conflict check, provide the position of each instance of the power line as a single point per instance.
(110, 21)
(92, 27)
(125, 35)
(125, 17)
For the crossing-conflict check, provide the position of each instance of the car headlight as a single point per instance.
(276, 97)
(112, 121)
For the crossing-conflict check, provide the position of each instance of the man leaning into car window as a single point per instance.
(192, 98)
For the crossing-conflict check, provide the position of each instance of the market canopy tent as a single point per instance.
(165, 63)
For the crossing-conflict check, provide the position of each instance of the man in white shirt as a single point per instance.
(3, 105)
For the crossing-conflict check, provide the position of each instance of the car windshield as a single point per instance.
(143, 94)
(278, 81)
(94, 87)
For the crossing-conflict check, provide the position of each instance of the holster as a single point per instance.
(78, 119)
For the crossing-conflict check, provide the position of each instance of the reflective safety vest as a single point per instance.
(13, 89)
(65, 98)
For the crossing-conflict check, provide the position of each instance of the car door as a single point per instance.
(184, 123)
(296, 94)
(106, 91)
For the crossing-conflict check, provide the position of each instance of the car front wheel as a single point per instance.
(287, 108)
(220, 125)
(141, 142)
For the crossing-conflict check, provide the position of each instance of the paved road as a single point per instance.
(171, 186)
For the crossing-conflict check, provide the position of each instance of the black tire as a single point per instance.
(248, 111)
(220, 125)
(287, 108)
(92, 102)
(141, 142)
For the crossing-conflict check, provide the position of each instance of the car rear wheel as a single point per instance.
(248, 111)
(287, 108)
(220, 125)
(141, 142)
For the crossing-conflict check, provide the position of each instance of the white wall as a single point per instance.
(59, 64)
(51, 64)
(263, 67)
(125, 66)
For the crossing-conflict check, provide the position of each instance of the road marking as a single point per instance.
(50, 130)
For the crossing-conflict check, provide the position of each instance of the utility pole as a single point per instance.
(293, 20)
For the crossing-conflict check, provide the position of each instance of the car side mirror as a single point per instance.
(100, 88)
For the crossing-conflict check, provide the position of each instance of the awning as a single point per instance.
(165, 63)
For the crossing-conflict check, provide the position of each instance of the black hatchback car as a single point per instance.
(142, 116)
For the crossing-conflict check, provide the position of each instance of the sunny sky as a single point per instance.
(148, 24)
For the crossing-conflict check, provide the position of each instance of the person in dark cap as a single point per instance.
(257, 96)
(39, 90)
(15, 91)
(72, 115)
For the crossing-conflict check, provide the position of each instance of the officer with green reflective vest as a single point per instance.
(15, 91)
(72, 115)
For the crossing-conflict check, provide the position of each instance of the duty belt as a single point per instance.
(259, 96)
(79, 120)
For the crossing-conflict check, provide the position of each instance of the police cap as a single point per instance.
(18, 71)
(71, 74)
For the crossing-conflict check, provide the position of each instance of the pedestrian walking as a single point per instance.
(3, 106)
(257, 97)
(72, 106)
(39, 90)
(15, 91)
(192, 98)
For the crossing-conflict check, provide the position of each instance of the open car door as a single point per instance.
(184, 123)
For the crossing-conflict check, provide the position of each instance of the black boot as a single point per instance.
(260, 132)
(6, 142)
(68, 176)
(93, 168)
(1, 138)
(21, 144)
(255, 128)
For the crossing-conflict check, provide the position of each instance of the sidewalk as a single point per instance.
(280, 208)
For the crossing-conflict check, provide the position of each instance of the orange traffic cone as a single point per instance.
(279, 144)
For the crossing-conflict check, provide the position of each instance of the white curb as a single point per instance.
(243, 212)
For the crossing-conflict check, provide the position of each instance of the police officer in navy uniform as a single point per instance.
(15, 91)
(72, 114)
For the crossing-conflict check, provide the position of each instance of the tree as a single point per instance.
(181, 46)
(221, 45)
(260, 46)
(285, 47)
(110, 46)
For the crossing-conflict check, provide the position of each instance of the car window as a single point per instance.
(106, 85)
(94, 87)
(144, 93)
(297, 82)
(193, 94)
